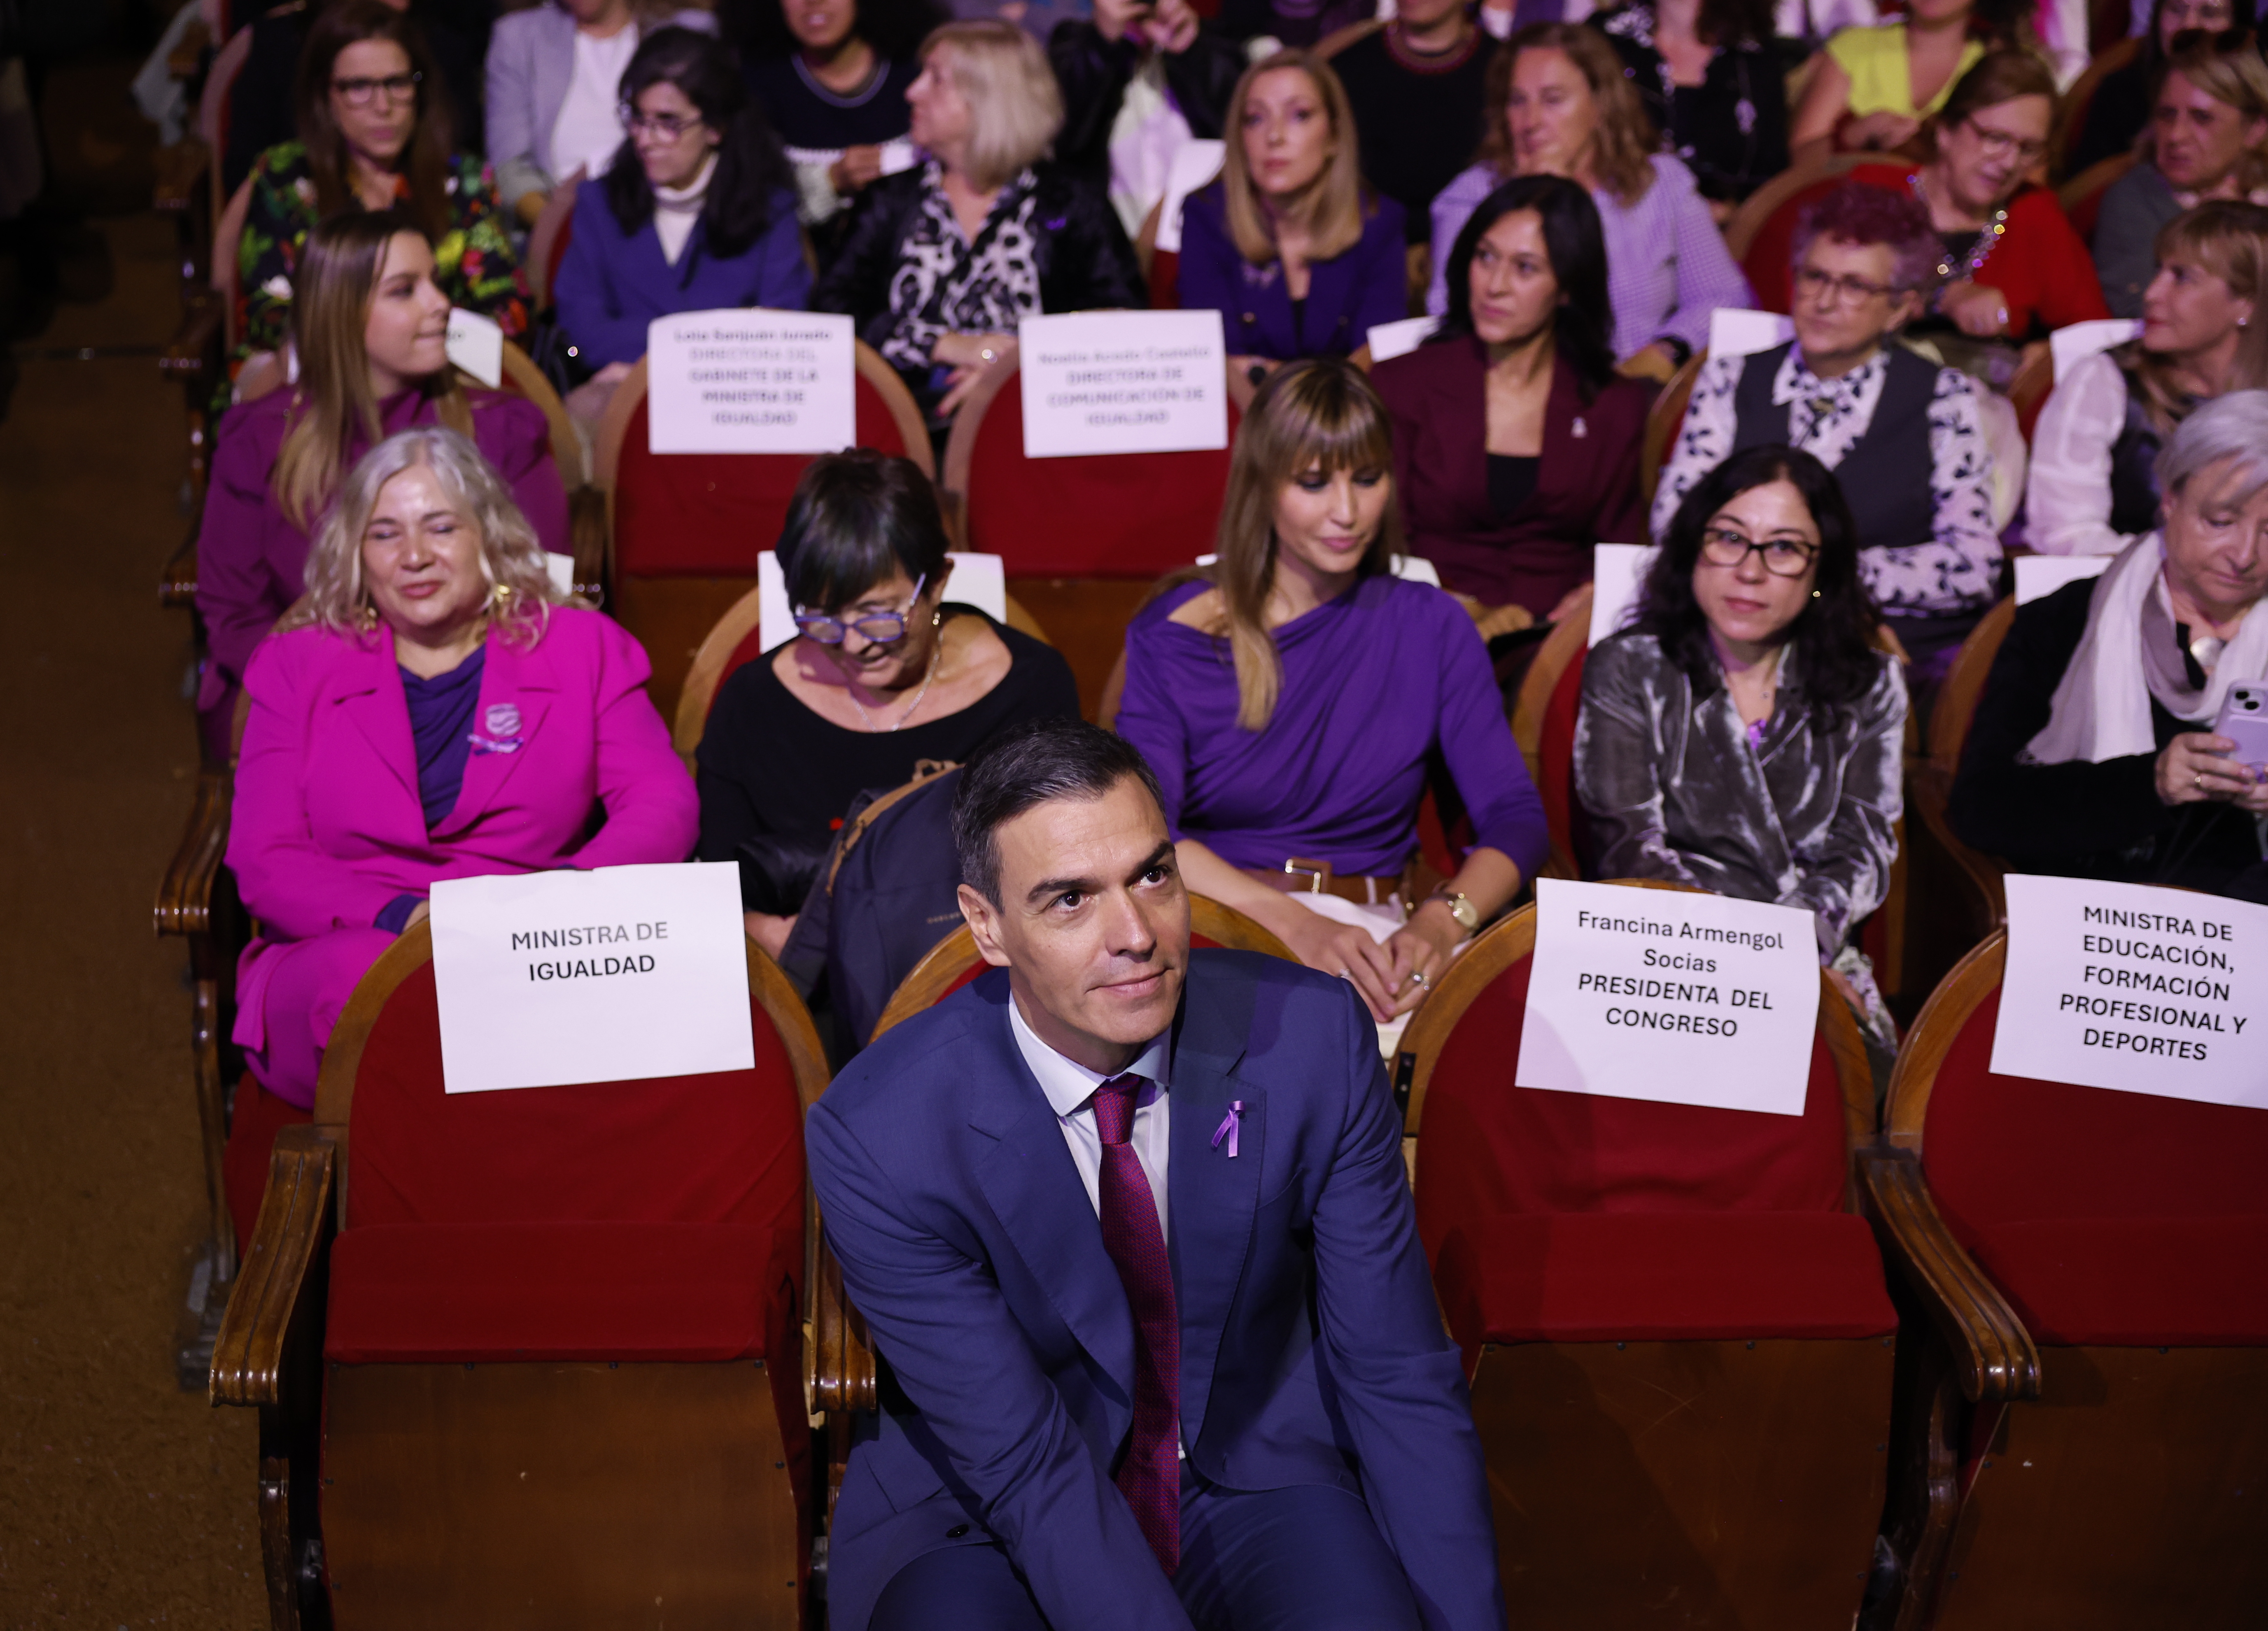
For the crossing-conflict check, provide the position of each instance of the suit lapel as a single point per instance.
(1213, 1197)
(516, 692)
(1035, 1190)
(368, 692)
(1461, 423)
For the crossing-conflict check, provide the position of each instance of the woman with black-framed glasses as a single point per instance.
(884, 673)
(1744, 734)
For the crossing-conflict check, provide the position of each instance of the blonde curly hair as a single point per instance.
(512, 558)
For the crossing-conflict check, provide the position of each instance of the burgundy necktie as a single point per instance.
(1151, 1477)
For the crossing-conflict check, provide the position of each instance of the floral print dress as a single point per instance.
(473, 263)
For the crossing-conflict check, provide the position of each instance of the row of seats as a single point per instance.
(560, 1355)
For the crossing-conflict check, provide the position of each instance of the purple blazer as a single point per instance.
(1348, 294)
(327, 827)
(252, 563)
(1585, 484)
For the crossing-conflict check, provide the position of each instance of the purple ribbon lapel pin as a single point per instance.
(1228, 1126)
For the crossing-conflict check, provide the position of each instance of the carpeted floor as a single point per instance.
(124, 1502)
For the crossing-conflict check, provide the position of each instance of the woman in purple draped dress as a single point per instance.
(1293, 696)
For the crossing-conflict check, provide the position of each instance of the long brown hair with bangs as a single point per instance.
(425, 161)
(1322, 413)
(331, 295)
(1626, 139)
(1332, 205)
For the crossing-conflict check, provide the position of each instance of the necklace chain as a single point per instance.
(935, 653)
(1980, 251)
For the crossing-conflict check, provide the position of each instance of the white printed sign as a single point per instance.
(2039, 576)
(1400, 337)
(1123, 382)
(750, 382)
(475, 344)
(1617, 579)
(615, 975)
(1682, 999)
(2140, 990)
(980, 581)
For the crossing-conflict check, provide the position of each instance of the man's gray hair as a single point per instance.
(2232, 429)
(511, 554)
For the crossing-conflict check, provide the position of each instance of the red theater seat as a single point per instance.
(1678, 1331)
(544, 1345)
(2094, 1264)
(686, 528)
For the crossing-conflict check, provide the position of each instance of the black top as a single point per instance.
(260, 103)
(1296, 23)
(776, 779)
(1419, 118)
(1731, 129)
(1511, 482)
(1094, 74)
(806, 113)
(2080, 819)
(2115, 114)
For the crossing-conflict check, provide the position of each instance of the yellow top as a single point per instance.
(1875, 61)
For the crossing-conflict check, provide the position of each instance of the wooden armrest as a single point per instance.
(177, 580)
(194, 349)
(842, 1363)
(181, 170)
(586, 530)
(278, 1303)
(1994, 1356)
(1932, 789)
(185, 893)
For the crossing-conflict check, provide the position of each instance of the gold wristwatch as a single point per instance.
(1461, 907)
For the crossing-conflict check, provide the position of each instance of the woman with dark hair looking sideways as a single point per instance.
(1744, 734)
(374, 133)
(884, 673)
(1515, 444)
(696, 213)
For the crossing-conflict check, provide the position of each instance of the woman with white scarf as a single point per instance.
(2093, 753)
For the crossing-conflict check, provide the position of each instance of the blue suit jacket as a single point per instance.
(1312, 1349)
(1348, 294)
(613, 284)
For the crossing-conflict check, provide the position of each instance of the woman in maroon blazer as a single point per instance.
(1515, 445)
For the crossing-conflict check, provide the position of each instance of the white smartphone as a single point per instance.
(2244, 721)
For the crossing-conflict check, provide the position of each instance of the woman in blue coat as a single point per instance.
(696, 213)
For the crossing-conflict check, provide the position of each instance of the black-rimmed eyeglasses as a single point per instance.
(362, 92)
(1783, 557)
(877, 628)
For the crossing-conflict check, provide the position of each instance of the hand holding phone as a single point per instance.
(2244, 721)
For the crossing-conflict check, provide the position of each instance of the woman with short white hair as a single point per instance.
(2095, 751)
(943, 260)
(433, 708)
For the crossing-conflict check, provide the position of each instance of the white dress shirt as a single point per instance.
(1070, 1088)
(589, 128)
(2067, 497)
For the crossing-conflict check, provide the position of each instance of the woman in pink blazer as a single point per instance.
(433, 709)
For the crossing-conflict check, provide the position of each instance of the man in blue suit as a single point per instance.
(1130, 1229)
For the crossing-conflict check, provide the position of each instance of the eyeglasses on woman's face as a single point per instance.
(875, 627)
(667, 127)
(1999, 144)
(1783, 557)
(362, 93)
(1844, 289)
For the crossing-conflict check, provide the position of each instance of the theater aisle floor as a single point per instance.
(123, 1501)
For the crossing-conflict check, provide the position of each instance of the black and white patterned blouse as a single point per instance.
(1959, 568)
(944, 284)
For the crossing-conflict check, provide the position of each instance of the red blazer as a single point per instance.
(2040, 264)
(1586, 485)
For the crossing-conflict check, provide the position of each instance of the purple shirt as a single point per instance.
(252, 563)
(1375, 683)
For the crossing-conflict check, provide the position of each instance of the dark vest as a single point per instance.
(2134, 465)
(1885, 477)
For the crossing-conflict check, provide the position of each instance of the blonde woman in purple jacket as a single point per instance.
(433, 708)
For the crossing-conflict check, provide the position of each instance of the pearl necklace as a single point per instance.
(850, 690)
(1980, 252)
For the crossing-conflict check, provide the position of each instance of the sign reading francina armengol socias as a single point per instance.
(752, 381)
(1681, 998)
(2140, 990)
(1123, 382)
(619, 975)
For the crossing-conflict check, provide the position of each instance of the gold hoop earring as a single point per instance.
(500, 597)
(366, 617)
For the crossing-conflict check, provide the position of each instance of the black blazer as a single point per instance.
(1095, 73)
(2079, 820)
(1085, 260)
